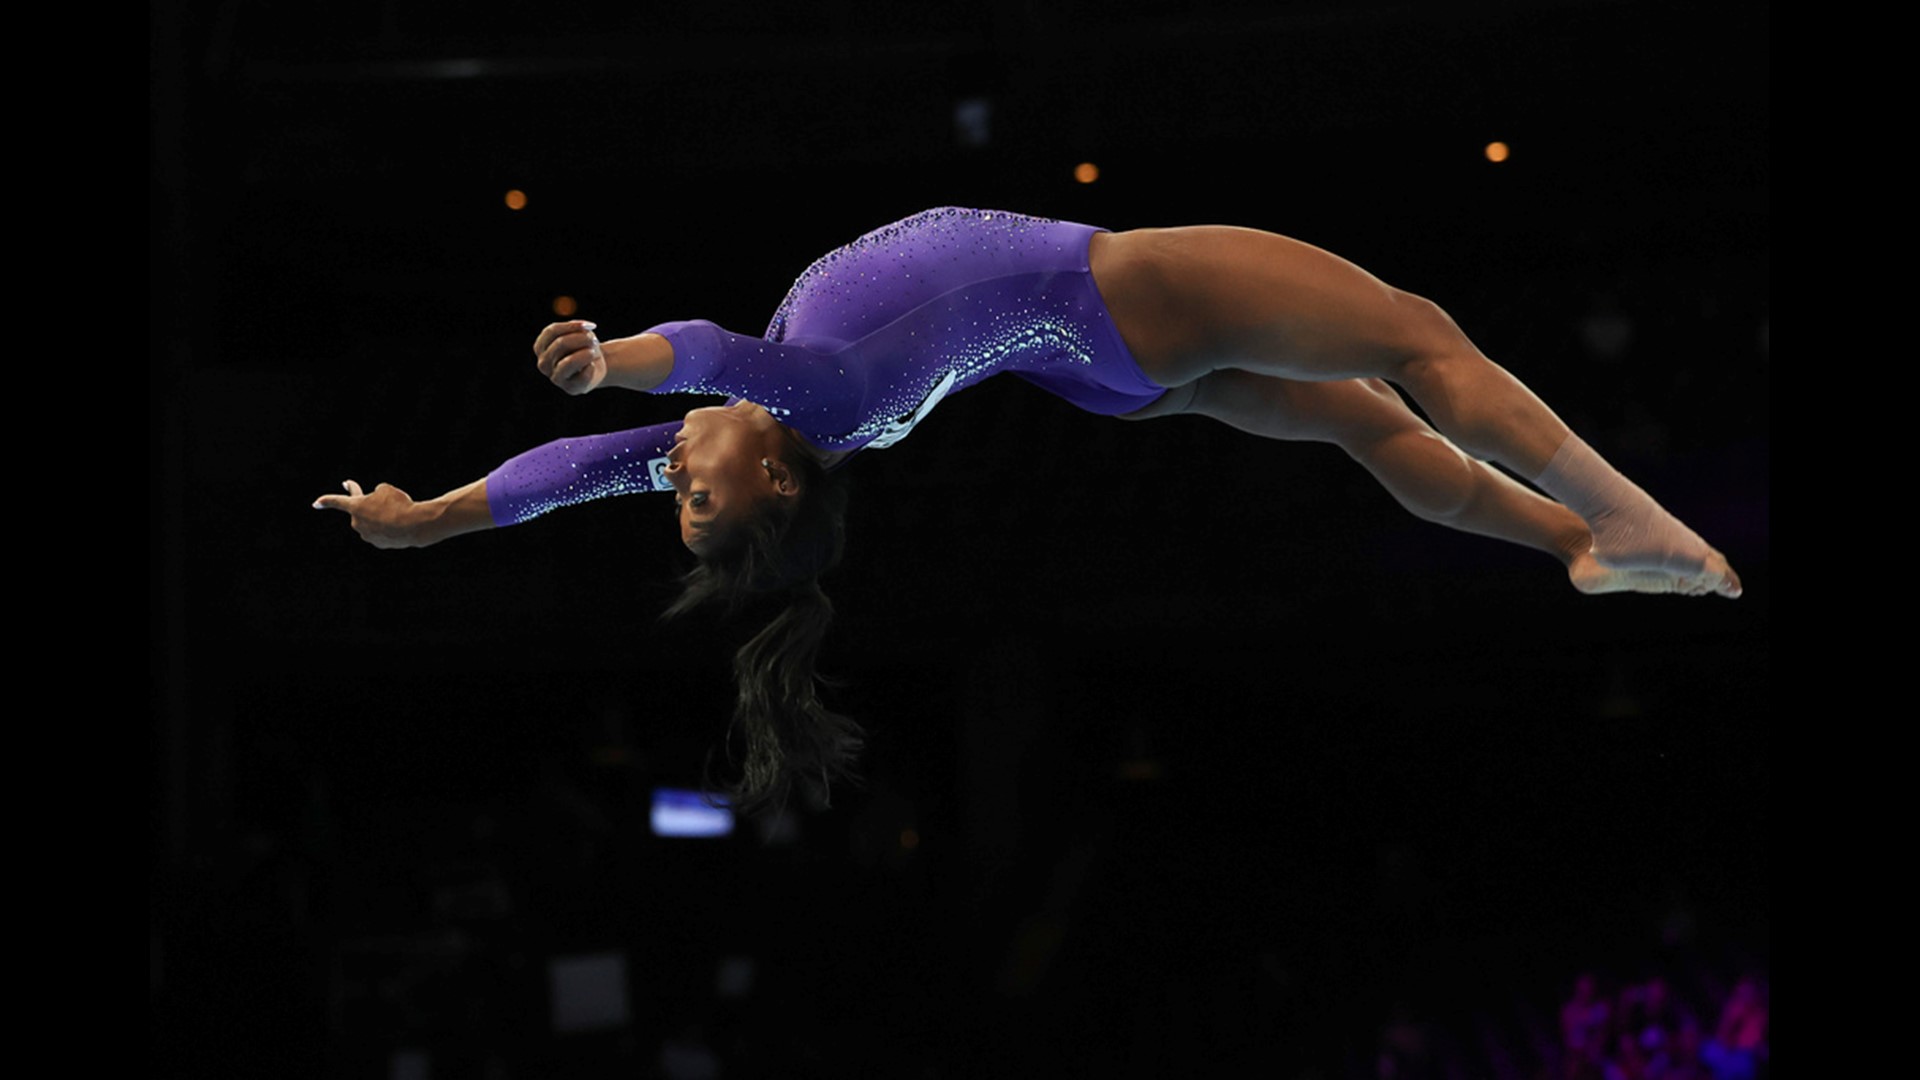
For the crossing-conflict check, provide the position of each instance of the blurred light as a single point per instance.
(409, 1064)
(589, 992)
(564, 306)
(516, 199)
(457, 68)
(1606, 331)
(679, 812)
(973, 122)
(734, 977)
(1086, 172)
(1497, 151)
(909, 839)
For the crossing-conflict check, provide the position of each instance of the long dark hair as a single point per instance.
(776, 559)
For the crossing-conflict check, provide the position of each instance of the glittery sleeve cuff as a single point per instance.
(570, 471)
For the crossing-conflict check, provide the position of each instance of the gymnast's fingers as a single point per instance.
(339, 502)
(574, 367)
(543, 344)
(582, 360)
(551, 331)
(559, 349)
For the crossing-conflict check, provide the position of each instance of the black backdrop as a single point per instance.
(1209, 756)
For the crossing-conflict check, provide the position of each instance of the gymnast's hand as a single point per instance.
(386, 517)
(569, 355)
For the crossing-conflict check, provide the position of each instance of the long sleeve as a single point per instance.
(807, 382)
(874, 335)
(869, 340)
(577, 470)
(798, 383)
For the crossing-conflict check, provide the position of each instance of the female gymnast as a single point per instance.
(1267, 334)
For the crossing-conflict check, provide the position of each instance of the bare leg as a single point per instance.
(1255, 301)
(1428, 475)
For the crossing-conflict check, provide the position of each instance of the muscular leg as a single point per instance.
(1428, 475)
(1244, 299)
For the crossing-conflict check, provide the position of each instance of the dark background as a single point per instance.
(1189, 752)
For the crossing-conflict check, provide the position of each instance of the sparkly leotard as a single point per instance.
(870, 338)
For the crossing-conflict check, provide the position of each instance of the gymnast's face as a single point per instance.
(716, 471)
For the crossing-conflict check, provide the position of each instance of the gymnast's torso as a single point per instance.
(870, 339)
(876, 333)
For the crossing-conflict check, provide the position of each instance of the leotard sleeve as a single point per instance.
(799, 382)
(577, 470)
(804, 381)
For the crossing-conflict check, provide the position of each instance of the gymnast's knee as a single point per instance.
(1426, 337)
(1429, 476)
(1421, 317)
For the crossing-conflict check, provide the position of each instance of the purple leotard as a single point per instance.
(870, 338)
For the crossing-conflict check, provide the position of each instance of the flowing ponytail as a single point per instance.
(790, 734)
(778, 556)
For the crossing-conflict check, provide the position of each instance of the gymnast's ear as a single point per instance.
(785, 481)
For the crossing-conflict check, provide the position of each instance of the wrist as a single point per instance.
(640, 362)
(462, 510)
(422, 523)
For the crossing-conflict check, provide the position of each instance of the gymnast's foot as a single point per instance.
(1644, 537)
(1632, 532)
(1592, 577)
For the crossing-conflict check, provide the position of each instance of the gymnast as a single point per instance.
(1264, 333)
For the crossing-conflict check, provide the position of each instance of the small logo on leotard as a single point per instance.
(657, 472)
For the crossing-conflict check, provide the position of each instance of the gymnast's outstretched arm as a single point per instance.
(388, 517)
(560, 473)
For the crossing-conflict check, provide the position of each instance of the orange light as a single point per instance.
(909, 839)
(1086, 172)
(564, 306)
(1497, 151)
(516, 199)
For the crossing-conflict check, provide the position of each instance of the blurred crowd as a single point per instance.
(1637, 1030)
(1646, 1032)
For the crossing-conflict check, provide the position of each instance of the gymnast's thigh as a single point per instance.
(1197, 299)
